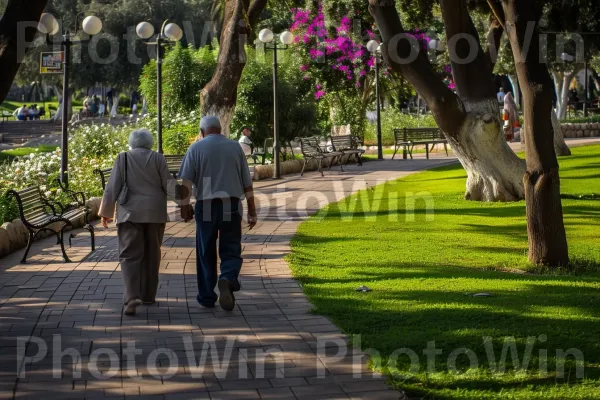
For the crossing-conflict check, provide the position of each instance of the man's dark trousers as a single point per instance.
(217, 219)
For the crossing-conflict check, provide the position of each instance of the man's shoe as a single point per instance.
(226, 298)
(130, 308)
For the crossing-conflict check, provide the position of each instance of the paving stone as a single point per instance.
(82, 302)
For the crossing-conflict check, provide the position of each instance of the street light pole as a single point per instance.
(276, 144)
(266, 36)
(48, 25)
(173, 32)
(377, 94)
(64, 164)
(585, 87)
(374, 48)
(159, 94)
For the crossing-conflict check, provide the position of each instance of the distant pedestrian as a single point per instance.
(22, 113)
(500, 95)
(101, 109)
(245, 141)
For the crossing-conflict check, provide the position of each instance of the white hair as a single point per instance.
(209, 122)
(141, 138)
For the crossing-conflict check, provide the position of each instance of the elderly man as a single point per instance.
(217, 170)
(245, 141)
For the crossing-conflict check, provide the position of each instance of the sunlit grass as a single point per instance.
(424, 273)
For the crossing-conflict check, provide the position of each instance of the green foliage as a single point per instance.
(185, 72)
(583, 120)
(424, 257)
(179, 131)
(25, 151)
(298, 111)
(391, 119)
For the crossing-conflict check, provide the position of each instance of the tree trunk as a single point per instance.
(562, 81)
(219, 96)
(115, 106)
(20, 16)
(560, 146)
(494, 173)
(545, 226)
(470, 119)
(514, 81)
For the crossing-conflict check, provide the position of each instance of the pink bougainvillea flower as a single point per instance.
(319, 94)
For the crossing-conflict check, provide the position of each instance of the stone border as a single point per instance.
(262, 172)
(591, 129)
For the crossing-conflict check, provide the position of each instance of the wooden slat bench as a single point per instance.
(174, 164)
(78, 201)
(311, 150)
(408, 138)
(262, 153)
(38, 213)
(347, 145)
(104, 176)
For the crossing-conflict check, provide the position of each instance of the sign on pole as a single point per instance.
(52, 62)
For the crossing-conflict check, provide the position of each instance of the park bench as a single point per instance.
(6, 116)
(408, 138)
(347, 145)
(262, 152)
(104, 176)
(174, 164)
(311, 150)
(39, 214)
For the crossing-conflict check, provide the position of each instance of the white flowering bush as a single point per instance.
(91, 147)
(39, 169)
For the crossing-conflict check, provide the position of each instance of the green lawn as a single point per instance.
(24, 151)
(423, 273)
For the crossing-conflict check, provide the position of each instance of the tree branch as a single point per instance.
(471, 72)
(493, 43)
(497, 11)
(408, 59)
(256, 9)
(17, 30)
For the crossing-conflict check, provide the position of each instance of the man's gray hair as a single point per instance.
(209, 122)
(141, 138)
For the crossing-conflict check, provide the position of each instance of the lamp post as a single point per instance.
(374, 48)
(48, 25)
(168, 31)
(266, 36)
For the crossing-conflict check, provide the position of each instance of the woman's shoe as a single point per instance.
(130, 308)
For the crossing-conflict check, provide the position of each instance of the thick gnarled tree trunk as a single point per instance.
(219, 96)
(18, 23)
(545, 226)
(470, 118)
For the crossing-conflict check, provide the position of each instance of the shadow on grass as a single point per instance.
(414, 304)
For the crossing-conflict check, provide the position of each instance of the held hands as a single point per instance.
(252, 220)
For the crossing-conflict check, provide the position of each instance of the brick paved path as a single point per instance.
(269, 347)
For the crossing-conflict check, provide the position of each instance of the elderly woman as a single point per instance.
(138, 187)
